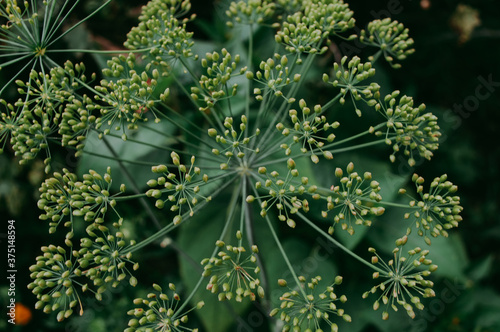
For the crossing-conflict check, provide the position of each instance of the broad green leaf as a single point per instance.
(482, 268)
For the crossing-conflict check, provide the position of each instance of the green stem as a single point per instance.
(135, 162)
(275, 148)
(230, 216)
(260, 116)
(16, 59)
(366, 132)
(182, 118)
(250, 236)
(171, 226)
(330, 103)
(126, 198)
(160, 148)
(281, 249)
(191, 72)
(76, 50)
(53, 23)
(180, 140)
(190, 296)
(250, 68)
(349, 148)
(15, 76)
(354, 147)
(404, 206)
(134, 141)
(77, 24)
(376, 56)
(135, 188)
(188, 95)
(338, 244)
(285, 105)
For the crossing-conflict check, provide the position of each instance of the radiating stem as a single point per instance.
(281, 113)
(78, 50)
(129, 177)
(350, 138)
(230, 216)
(280, 247)
(250, 234)
(349, 148)
(74, 26)
(250, 68)
(186, 216)
(331, 103)
(335, 242)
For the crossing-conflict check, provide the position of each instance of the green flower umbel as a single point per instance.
(392, 39)
(55, 282)
(162, 313)
(233, 273)
(182, 187)
(403, 284)
(436, 211)
(353, 197)
(306, 312)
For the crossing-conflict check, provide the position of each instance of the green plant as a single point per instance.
(238, 127)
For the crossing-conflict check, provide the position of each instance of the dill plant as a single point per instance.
(243, 136)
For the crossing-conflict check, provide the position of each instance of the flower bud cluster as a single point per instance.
(349, 79)
(391, 37)
(77, 120)
(250, 12)
(15, 15)
(283, 193)
(48, 92)
(290, 6)
(332, 17)
(436, 211)
(106, 256)
(31, 123)
(305, 31)
(233, 143)
(70, 77)
(305, 131)
(182, 187)
(403, 279)
(299, 37)
(101, 261)
(9, 122)
(274, 75)
(161, 29)
(307, 312)
(354, 198)
(127, 95)
(407, 128)
(40, 114)
(215, 85)
(54, 282)
(32, 135)
(233, 273)
(160, 312)
(58, 275)
(64, 197)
